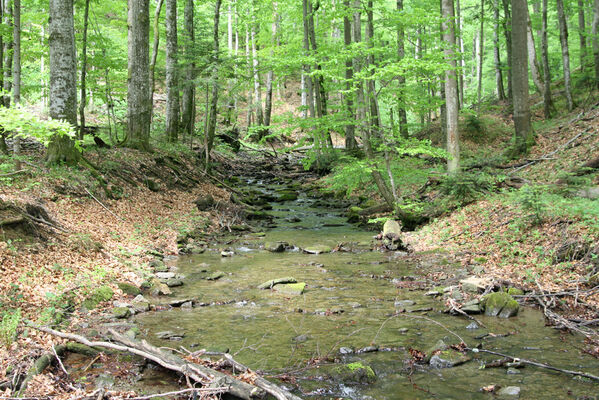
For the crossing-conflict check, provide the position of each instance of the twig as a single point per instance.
(536, 364)
(216, 390)
(59, 361)
(103, 206)
(454, 307)
(21, 171)
(426, 319)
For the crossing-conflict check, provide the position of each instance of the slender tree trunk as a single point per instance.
(188, 102)
(3, 146)
(594, 35)
(83, 92)
(250, 67)
(214, 100)
(154, 54)
(230, 37)
(172, 79)
(138, 83)
(461, 61)
(401, 80)
(350, 127)
(481, 51)
(582, 34)
(304, 94)
(507, 27)
(451, 90)
(547, 102)
(16, 68)
(360, 104)
(532, 56)
(307, 70)
(520, 75)
(257, 86)
(496, 54)
(563, 36)
(270, 74)
(63, 79)
(8, 54)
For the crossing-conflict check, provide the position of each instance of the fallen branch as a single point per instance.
(193, 391)
(536, 364)
(454, 307)
(103, 206)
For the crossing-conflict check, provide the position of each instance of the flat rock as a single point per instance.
(215, 276)
(121, 312)
(275, 247)
(317, 249)
(170, 335)
(271, 283)
(509, 391)
(475, 284)
(174, 282)
(291, 288)
(165, 275)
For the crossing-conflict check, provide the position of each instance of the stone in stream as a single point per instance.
(472, 307)
(140, 304)
(158, 288)
(392, 235)
(317, 249)
(128, 288)
(121, 312)
(276, 247)
(291, 288)
(158, 265)
(345, 350)
(404, 303)
(354, 373)
(448, 358)
(474, 284)
(269, 284)
(500, 304)
(227, 253)
(165, 275)
(174, 282)
(215, 276)
(170, 335)
(473, 325)
(509, 392)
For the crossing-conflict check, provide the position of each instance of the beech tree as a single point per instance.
(172, 81)
(520, 75)
(451, 88)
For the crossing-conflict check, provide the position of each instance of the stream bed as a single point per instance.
(356, 300)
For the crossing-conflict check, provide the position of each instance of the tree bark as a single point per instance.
(582, 35)
(481, 51)
(83, 92)
(401, 80)
(63, 79)
(520, 75)
(250, 67)
(172, 79)
(8, 53)
(256, 74)
(594, 35)
(532, 56)
(547, 102)
(507, 27)
(211, 129)
(496, 54)
(16, 69)
(154, 54)
(308, 82)
(138, 83)
(270, 74)
(563, 36)
(461, 61)
(350, 126)
(188, 102)
(451, 90)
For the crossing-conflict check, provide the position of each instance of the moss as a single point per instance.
(495, 303)
(515, 291)
(103, 293)
(355, 373)
(128, 288)
(291, 288)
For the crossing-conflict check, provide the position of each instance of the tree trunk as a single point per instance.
(306, 73)
(138, 83)
(481, 51)
(3, 146)
(251, 73)
(8, 53)
(188, 101)
(582, 35)
(350, 126)
(532, 56)
(496, 54)
(451, 90)
(563, 37)
(63, 79)
(16, 87)
(83, 91)
(270, 74)
(520, 75)
(507, 27)
(401, 80)
(154, 54)
(360, 105)
(211, 130)
(594, 35)
(461, 61)
(172, 80)
(547, 102)
(256, 74)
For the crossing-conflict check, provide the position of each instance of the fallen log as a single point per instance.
(195, 372)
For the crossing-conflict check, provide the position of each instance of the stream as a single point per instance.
(357, 298)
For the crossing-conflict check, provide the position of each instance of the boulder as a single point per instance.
(392, 235)
(354, 373)
(279, 281)
(159, 288)
(174, 282)
(317, 249)
(474, 284)
(121, 312)
(500, 304)
(204, 202)
(291, 288)
(140, 304)
(275, 247)
(103, 293)
(128, 288)
(472, 307)
(448, 358)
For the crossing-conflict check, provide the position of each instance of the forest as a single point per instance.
(323, 199)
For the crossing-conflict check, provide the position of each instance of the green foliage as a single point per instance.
(466, 187)
(532, 200)
(8, 326)
(24, 123)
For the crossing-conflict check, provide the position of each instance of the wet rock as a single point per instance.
(392, 235)
(472, 307)
(354, 373)
(368, 349)
(403, 330)
(275, 247)
(158, 265)
(473, 325)
(404, 303)
(158, 288)
(448, 358)
(271, 283)
(215, 276)
(301, 338)
(353, 214)
(474, 284)
(500, 304)
(140, 304)
(509, 392)
(121, 312)
(317, 249)
(179, 302)
(291, 288)
(174, 282)
(345, 350)
(187, 305)
(128, 288)
(227, 253)
(170, 335)
(165, 275)
(513, 371)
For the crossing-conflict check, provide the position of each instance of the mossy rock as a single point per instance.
(275, 247)
(291, 288)
(287, 196)
(317, 249)
(354, 373)
(353, 214)
(515, 291)
(103, 293)
(158, 265)
(500, 304)
(121, 312)
(257, 215)
(128, 288)
(158, 288)
(215, 276)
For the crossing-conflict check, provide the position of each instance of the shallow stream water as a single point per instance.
(351, 301)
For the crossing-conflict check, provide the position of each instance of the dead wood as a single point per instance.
(195, 372)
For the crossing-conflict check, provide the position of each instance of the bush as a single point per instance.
(532, 201)
(466, 187)
(9, 325)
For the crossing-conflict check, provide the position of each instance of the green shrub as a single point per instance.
(466, 187)
(9, 325)
(532, 201)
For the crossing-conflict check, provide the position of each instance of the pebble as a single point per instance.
(473, 325)
(345, 350)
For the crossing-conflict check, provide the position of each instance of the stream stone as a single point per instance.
(165, 275)
(509, 392)
(121, 312)
(474, 284)
(472, 307)
(473, 325)
(174, 282)
(215, 276)
(404, 303)
(275, 247)
(158, 265)
(128, 288)
(271, 283)
(158, 288)
(354, 373)
(345, 350)
(500, 304)
(291, 288)
(140, 304)
(392, 235)
(448, 358)
(170, 335)
(317, 249)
